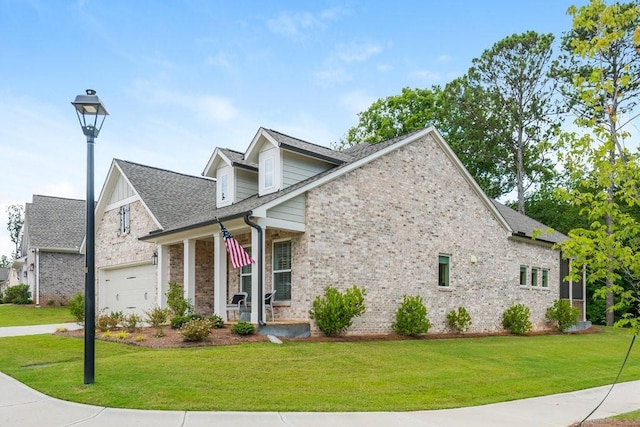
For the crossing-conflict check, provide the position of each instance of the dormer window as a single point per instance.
(268, 172)
(224, 187)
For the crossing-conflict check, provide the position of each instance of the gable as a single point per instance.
(121, 191)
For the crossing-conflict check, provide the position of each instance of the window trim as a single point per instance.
(249, 274)
(534, 274)
(545, 278)
(524, 272)
(224, 187)
(448, 264)
(268, 161)
(274, 271)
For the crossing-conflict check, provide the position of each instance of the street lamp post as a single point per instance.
(89, 108)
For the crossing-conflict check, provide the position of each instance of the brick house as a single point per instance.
(51, 262)
(400, 217)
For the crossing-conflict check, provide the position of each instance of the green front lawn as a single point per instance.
(322, 376)
(23, 315)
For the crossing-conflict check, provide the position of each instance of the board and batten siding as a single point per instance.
(121, 191)
(246, 184)
(296, 168)
(291, 210)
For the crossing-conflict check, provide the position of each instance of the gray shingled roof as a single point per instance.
(524, 226)
(305, 147)
(172, 197)
(209, 214)
(237, 158)
(55, 222)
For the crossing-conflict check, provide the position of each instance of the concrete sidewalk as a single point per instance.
(23, 406)
(16, 331)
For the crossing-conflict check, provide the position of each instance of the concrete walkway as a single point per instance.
(23, 406)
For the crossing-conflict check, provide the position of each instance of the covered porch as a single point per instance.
(197, 258)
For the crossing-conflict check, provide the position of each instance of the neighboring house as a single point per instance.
(51, 262)
(5, 274)
(403, 217)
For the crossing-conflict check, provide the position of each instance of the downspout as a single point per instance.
(36, 274)
(260, 278)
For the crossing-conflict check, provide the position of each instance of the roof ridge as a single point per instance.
(57, 197)
(163, 170)
(302, 140)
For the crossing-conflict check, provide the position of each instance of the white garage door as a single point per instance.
(130, 290)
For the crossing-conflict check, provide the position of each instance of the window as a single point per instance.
(268, 173)
(534, 276)
(523, 275)
(282, 270)
(245, 277)
(444, 262)
(124, 219)
(224, 187)
(545, 278)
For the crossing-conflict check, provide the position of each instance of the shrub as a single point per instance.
(131, 322)
(516, 319)
(122, 335)
(157, 317)
(243, 328)
(335, 311)
(216, 321)
(459, 320)
(563, 314)
(107, 322)
(18, 294)
(411, 317)
(176, 301)
(196, 330)
(178, 321)
(76, 307)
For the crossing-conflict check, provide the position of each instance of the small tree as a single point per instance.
(76, 307)
(176, 301)
(411, 317)
(335, 311)
(157, 317)
(15, 222)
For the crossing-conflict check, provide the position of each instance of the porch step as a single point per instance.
(286, 330)
(581, 326)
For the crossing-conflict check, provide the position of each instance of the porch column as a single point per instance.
(190, 270)
(219, 276)
(255, 244)
(162, 272)
(570, 287)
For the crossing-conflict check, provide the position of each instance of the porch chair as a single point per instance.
(268, 302)
(238, 303)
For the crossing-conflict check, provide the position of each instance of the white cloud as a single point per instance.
(383, 68)
(356, 101)
(333, 75)
(220, 61)
(293, 24)
(357, 52)
(443, 59)
(216, 108)
(63, 188)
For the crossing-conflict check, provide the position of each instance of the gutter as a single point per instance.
(260, 275)
(159, 233)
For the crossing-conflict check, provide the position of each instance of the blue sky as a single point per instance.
(182, 77)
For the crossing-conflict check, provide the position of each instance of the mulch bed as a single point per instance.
(145, 337)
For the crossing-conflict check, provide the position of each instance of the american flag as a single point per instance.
(239, 257)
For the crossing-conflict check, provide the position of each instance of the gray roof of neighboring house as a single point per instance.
(55, 222)
(524, 226)
(172, 197)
